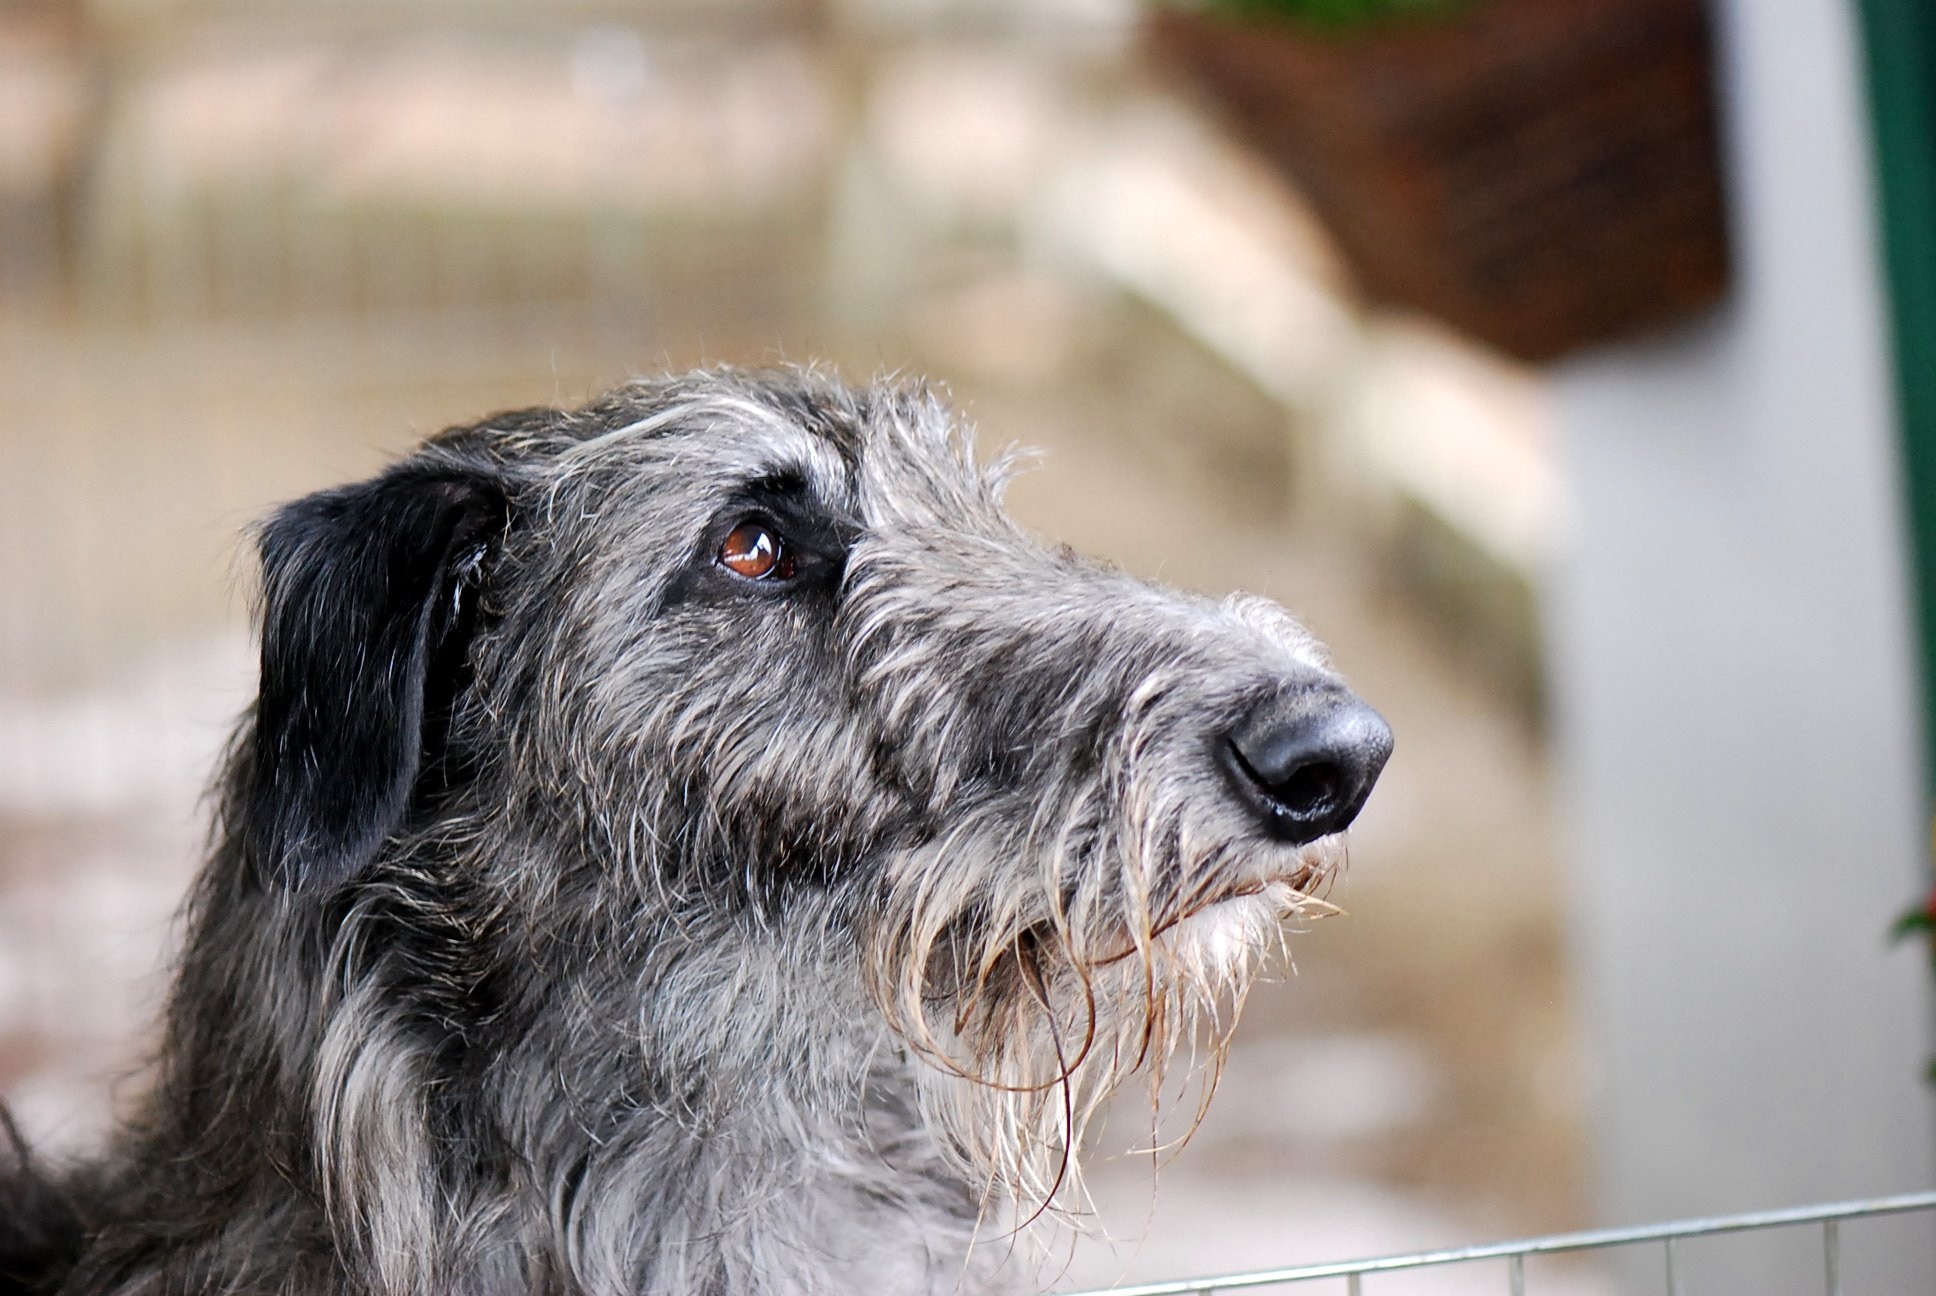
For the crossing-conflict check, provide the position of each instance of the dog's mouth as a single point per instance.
(1296, 892)
(1302, 873)
(1284, 892)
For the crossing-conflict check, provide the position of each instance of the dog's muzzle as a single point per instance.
(1305, 761)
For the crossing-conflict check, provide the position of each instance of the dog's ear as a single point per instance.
(368, 603)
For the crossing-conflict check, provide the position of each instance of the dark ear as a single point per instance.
(367, 607)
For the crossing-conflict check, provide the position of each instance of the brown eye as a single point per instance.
(756, 553)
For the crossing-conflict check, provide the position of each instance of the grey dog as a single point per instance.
(696, 843)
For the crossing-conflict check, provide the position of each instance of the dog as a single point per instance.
(696, 843)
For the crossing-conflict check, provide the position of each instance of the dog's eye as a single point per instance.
(756, 553)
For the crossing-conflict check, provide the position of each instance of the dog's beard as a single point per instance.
(1031, 1008)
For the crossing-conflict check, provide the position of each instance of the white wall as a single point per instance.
(1734, 681)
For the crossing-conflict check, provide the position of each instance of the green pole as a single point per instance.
(1900, 39)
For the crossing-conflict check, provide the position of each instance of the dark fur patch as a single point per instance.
(369, 598)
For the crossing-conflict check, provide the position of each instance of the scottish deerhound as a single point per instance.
(696, 843)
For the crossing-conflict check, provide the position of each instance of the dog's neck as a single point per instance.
(728, 1116)
(765, 1194)
(592, 1139)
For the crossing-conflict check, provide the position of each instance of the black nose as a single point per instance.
(1305, 762)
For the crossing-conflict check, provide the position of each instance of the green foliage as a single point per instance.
(1911, 922)
(1335, 14)
(1919, 920)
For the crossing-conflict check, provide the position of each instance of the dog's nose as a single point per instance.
(1305, 762)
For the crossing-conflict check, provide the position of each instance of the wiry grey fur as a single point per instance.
(585, 918)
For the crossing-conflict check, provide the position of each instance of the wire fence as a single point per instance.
(1829, 1218)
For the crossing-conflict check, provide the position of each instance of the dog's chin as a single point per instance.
(1228, 937)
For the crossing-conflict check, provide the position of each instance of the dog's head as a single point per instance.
(741, 698)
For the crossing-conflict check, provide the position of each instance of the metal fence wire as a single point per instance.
(1829, 1218)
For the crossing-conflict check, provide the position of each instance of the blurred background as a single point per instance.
(1566, 364)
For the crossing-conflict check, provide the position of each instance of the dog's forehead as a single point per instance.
(851, 448)
(736, 442)
(705, 443)
(871, 454)
(917, 464)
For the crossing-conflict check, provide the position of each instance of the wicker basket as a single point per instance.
(1541, 174)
